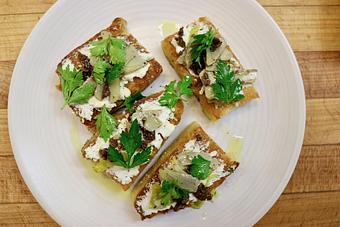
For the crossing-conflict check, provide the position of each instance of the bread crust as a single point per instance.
(179, 108)
(118, 27)
(190, 132)
(213, 110)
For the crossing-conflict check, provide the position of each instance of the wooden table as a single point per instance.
(312, 196)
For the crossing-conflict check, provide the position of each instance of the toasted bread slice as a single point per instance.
(192, 142)
(81, 59)
(213, 109)
(96, 148)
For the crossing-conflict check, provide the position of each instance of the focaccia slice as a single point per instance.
(156, 124)
(186, 174)
(136, 69)
(178, 48)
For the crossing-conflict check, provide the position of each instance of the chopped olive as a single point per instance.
(203, 193)
(216, 43)
(85, 65)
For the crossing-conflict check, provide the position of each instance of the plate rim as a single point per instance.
(265, 207)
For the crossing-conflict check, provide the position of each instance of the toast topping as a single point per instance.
(112, 62)
(203, 52)
(185, 179)
(155, 117)
(93, 152)
(67, 63)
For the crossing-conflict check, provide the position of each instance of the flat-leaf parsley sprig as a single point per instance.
(227, 88)
(74, 89)
(173, 92)
(131, 141)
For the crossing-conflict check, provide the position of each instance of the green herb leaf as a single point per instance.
(116, 157)
(99, 70)
(169, 97)
(82, 94)
(170, 192)
(105, 123)
(200, 167)
(114, 72)
(70, 80)
(184, 86)
(130, 101)
(117, 51)
(113, 47)
(131, 140)
(174, 92)
(100, 47)
(141, 157)
(227, 88)
(201, 43)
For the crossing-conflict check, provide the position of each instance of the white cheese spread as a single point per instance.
(85, 50)
(162, 113)
(121, 174)
(67, 62)
(124, 92)
(86, 110)
(140, 73)
(92, 152)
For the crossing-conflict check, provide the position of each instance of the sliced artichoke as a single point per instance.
(105, 34)
(133, 60)
(187, 57)
(155, 196)
(102, 165)
(114, 89)
(98, 93)
(212, 57)
(152, 123)
(182, 180)
(130, 53)
(136, 63)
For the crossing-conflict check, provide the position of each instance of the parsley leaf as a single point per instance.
(131, 140)
(117, 51)
(184, 86)
(130, 101)
(116, 157)
(113, 47)
(105, 123)
(200, 167)
(114, 72)
(99, 70)
(170, 192)
(141, 157)
(99, 47)
(82, 94)
(201, 43)
(70, 80)
(227, 88)
(174, 92)
(169, 97)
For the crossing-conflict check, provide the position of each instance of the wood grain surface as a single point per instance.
(312, 197)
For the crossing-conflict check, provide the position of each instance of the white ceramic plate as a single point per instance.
(46, 140)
